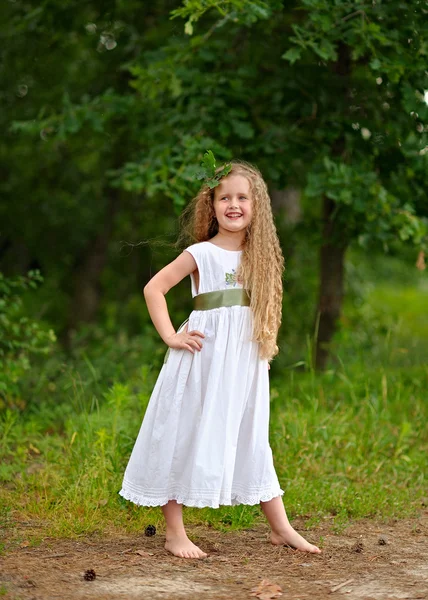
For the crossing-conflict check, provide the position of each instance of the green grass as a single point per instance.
(346, 445)
(352, 444)
(384, 322)
(349, 443)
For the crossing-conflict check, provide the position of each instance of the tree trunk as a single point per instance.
(15, 257)
(288, 201)
(86, 278)
(331, 290)
(334, 244)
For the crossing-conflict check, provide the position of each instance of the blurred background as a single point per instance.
(107, 110)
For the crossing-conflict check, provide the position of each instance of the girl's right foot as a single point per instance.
(180, 545)
(290, 537)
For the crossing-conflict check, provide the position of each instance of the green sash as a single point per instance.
(217, 299)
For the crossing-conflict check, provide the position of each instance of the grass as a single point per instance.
(346, 445)
(349, 443)
(358, 445)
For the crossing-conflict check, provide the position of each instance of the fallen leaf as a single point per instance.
(266, 590)
(143, 553)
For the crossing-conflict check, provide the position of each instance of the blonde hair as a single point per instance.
(262, 262)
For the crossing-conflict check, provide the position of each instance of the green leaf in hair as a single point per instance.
(208, 170)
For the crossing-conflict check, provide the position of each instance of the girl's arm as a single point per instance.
(154, 294)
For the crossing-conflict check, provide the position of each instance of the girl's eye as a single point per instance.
(227, 198)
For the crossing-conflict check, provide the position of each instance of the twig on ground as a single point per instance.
(341, 585)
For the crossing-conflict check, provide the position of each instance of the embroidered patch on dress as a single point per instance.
(231, 279)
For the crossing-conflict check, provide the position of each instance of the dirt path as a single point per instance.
(237, 562)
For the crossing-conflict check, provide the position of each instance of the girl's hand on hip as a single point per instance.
(186, 340)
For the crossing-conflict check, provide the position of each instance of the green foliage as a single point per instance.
(20, 336)
(371, 30)
(248, 11)
(383, 322)
(364, 64)
(209, 172)
(172, 170)
(106, 128)
(365, 209)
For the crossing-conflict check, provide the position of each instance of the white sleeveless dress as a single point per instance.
(204, 440)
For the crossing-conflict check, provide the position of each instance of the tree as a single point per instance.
(69, 116)
(357, 116)
(326, 98)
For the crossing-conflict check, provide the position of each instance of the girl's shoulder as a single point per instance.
(197, 245)
(198, 248)
(209, 248)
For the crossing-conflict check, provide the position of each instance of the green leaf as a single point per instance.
(188, 28)
(326, 50)
(212, 179)
(208, 163)
(292, 55)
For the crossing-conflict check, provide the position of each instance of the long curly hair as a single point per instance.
(262, 262)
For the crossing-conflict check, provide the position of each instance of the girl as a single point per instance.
(204, 437)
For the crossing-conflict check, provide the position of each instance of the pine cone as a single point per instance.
(89, 575)
(150, 530)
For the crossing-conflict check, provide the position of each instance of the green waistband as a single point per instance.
(219, 298)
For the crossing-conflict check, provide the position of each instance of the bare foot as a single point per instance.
(180, 545)
(290, 537)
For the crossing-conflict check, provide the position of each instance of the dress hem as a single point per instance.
(233, 500)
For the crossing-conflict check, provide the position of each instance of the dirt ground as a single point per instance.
(368, 560)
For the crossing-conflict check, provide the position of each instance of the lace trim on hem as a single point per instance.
(251, 499)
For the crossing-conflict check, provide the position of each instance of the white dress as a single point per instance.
(204, 440)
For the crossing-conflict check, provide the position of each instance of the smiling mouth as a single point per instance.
(234, 215)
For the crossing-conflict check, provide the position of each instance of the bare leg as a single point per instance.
(177, 541)
(282, 532)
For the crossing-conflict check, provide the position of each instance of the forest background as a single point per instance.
(107, 111)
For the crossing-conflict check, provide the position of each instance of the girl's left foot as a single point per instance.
(180, 545)
(290, 537)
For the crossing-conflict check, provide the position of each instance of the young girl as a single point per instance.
(204, 438)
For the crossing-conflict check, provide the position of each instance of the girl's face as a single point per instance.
(233, 203)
